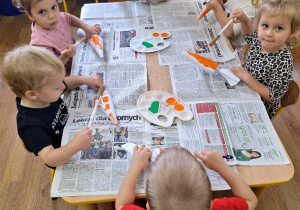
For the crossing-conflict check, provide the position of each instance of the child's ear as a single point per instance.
(30, 94)
(28, 15)
(294, 32)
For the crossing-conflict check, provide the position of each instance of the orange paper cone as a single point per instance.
(107, 105)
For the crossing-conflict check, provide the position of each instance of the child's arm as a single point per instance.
(239, 16)
(255, 85)
(218, 9)
(93, 81)
(55, 157)
(71, 51)
(89, 30)
(140, 160)
(214, 161)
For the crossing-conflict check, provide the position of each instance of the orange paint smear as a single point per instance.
(105, 99)
(164, 35)
(155, 34)
(205, 61)
(107, 107)
(173, 101)
(179, 107)
(113, 118)
(95, 40)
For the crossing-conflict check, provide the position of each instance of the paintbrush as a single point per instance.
(98, 99)
(75, 45)
(219, 34)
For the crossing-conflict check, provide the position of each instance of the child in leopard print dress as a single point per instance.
(269, 63)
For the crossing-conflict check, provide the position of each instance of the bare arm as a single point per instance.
(140, 160)
(214, 161)
(221, 16)
(55, 157)
(89, 30)
(93, 81)
(255, 85)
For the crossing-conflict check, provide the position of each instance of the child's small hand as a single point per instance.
(141, 155)
(213, 4)
(94, 81)
(89, 30)
(240, 72)
(211, 159)
(83, 139)
(71, 51)
(238, 15)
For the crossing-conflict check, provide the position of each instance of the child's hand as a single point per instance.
(89, 30)
(94, 81)
(83, 139)
(211, 159)
(240, 72)
(140, 158)
(213, 4)
(238, 16)
(71, 51)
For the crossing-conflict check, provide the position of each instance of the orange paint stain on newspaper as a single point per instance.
(205, 61)
(95, 40)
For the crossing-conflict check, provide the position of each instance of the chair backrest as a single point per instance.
(291, 96)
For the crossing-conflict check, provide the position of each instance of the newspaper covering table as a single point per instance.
(230, 119)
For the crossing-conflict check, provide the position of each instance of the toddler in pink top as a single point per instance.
(51, 28)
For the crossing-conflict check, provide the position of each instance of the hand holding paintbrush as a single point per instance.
(98, 99)
(75, 45)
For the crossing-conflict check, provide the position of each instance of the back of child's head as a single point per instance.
(29, 67)
(287, 8)
(27, 4)
(176, 181)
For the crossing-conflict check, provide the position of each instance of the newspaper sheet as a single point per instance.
(100, 169)
(125, 83)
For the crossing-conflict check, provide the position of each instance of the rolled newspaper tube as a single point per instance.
(99, 95)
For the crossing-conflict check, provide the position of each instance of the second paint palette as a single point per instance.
(150, 41)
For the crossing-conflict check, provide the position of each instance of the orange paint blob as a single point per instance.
(205, 61)
(107, 107)
(105, 99)
(95, 40)
(179, 107)
(164, 35)
(155, 34)
(171, 101)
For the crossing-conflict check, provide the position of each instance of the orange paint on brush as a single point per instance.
(164, 35)
(95, 40)
(205, 61)
(155, 34)
(105, 99)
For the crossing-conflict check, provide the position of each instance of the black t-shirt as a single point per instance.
(41, 127)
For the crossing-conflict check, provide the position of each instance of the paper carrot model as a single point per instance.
(205, 11)
(206, 64)
(107, 105)
(97, 43)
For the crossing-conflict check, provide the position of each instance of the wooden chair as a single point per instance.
(65, 5)
(289, 98)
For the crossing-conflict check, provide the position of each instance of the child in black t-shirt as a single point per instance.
(38, 79)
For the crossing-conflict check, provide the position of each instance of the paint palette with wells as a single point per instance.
(150, 41)
(161, 108)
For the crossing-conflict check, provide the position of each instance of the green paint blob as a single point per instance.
(147, 44)
(154, 107)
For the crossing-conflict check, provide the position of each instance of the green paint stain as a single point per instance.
(147, 44)
(154, 107)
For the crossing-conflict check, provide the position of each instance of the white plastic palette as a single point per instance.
(161, 108)
(150, 41)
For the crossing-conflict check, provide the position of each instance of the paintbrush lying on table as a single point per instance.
(99, 96)
(75, 45)
(219, 34)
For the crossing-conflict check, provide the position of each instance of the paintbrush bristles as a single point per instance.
(100, 92)
(214, 41)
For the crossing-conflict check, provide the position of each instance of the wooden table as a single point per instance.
(257, 177)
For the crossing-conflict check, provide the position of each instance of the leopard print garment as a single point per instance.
(273, 70)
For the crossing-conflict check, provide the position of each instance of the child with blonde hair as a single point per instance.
(51, 28)
(38, 79)
(268, 68)
(177, 180)
(233, 31)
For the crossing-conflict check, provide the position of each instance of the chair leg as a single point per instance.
(96, 1)
(65, 6)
